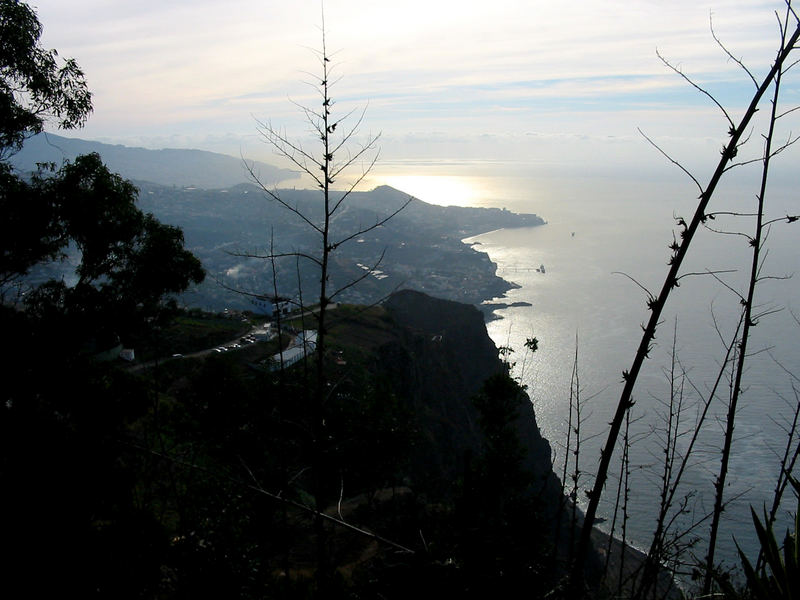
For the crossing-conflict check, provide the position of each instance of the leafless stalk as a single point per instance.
(706, 93)
(671, 281)
(788, 461)
(738, 61)
(575, 408)
(335, 154)
(626, 486)
(749, 321)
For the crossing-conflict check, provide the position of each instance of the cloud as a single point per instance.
(199, 71)
(235, 272)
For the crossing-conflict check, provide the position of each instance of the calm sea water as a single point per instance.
(597, 230)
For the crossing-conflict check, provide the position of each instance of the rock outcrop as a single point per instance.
(443, 359)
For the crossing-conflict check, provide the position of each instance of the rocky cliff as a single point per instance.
(439, 362)
(478, 500)
(443, 358)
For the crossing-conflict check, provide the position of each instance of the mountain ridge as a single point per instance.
(167, 166)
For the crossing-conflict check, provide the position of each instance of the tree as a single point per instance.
(27, 231)
(338, 152)
(128, 261)
(498, 516)
(67, 463)
(34, 89)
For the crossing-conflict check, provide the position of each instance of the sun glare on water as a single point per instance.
(444, 190)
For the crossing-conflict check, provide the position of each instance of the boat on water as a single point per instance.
(540, 269)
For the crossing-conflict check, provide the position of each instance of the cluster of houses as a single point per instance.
(272, 305)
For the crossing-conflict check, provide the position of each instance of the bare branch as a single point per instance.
(271, 255)
(287, 148)
(721, 282)
(791, 10)
(712, 273)
(351, 159)
(699, 89)
(352, 130)
(789, 142)
(792, 65)
(728, 213)
(332, 125)
(672, 160)
(256, 487)
(275, 196)
(787, 218)
(371, 227)
(362, 277)
(791, 110)
(650, 295)
(723, 232)
(726, 51)
(356, 183)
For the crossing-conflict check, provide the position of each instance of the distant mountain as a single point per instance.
(165, 167)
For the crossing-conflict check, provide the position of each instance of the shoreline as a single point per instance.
(489, 308)
(627, 559)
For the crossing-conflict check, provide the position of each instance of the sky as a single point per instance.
(448, 84)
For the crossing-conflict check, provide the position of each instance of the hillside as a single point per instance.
(408, 455)
(419, 248)
(224, 220)
(170, 167)
(438, 360)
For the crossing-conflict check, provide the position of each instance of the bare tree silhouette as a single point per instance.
(680, 247)
(340, 151)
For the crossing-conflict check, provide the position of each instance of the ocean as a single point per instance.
(606, 241)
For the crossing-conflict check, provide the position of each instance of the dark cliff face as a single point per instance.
(455, 334)
(443, 358)
(439, 362)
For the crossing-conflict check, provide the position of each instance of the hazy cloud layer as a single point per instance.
(195, 73)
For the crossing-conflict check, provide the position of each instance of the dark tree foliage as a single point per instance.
(72, 518)
(28, 230)
(488, 539)
(71, 457)
(68, 518)
(128, 261)
(33, 87)
(501, 536)
(127, 257)
(34, 90)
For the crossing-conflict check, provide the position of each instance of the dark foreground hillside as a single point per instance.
(198, 477)
(448, 461)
